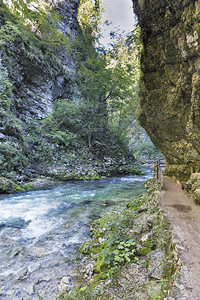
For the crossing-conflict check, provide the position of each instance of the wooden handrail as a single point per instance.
(157, 170)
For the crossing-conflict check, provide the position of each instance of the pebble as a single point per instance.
(65, 284)
(89, 271)
(33, 267)
(29, 288)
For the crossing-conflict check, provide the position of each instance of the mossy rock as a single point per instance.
(91, 247)
(100, 266)
(66, 177)
(143, 251)
(87, 247)
(101, 276)
(8, 187)
(148, 243)
(128, 170)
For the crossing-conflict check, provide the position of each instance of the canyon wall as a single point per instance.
(33, 73)
(170, 82)
(37, 78)
(53, 114)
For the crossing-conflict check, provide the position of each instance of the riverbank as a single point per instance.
(130, 254)
(56, 175)
(41, 231)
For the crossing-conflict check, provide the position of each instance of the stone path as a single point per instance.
(184, 216)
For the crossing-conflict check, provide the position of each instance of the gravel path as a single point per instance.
(184, 216)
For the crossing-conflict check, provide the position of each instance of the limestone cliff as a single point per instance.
(170, 85)
(32, 76)
(36, 78)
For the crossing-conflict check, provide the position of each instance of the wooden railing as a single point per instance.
(158, 170)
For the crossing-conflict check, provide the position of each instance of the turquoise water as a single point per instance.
(41, 230)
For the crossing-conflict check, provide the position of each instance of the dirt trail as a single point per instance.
(184, 216)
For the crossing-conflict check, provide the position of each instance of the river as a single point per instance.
(40, 231)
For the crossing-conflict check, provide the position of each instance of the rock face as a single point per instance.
(170, 85)
(193, 186)
(36, 79)
(31, 78)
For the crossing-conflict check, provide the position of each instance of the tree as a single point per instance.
(123, 60)
(41, 20)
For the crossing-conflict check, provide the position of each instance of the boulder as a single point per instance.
(193, 186)
(156, 263)
(197, 195)
(7, 186)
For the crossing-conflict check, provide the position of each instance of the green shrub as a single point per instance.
(5, 90)
(12, 157)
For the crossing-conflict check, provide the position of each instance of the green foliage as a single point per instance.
(123, 61)
(12, 147)
(5, 90)
(64, 125)
(145, 148)
(96, 123)
(67, 115)
(14, 35)
(95, 80)
(108, 85)
(34, 20)
(118, 249)
(39, 151)
(136, 203)
(108, 82)
(89, 16)
(13, 127)
(79, 124)
(12, 158)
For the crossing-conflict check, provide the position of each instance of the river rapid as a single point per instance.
(40, 232)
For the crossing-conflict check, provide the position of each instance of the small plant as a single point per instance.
(136, 203)
(118, 246)
(119, 251)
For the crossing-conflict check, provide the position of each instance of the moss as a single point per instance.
(143, 251)
(102, 276)
(148, 243)
(100, 266)
(7, 186)
(85, 247)
(129, 170)
(27, 187)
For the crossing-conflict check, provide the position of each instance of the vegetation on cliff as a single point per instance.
(68, 107)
